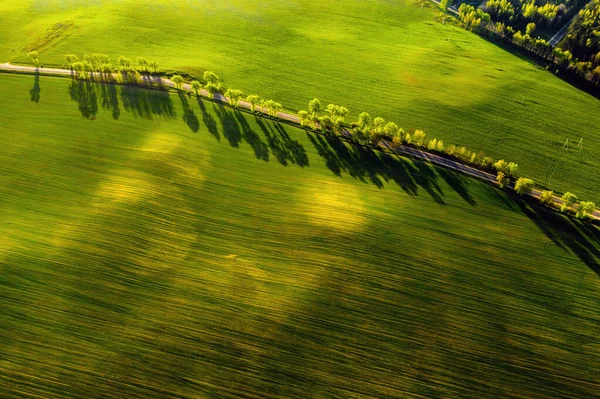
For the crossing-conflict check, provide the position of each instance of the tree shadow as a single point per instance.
(146, 103)
(260, 149)
(458, 182)
(209, 121)
(280, 144)
(231, 129)
(35, 90)
(566, 233)
(189, 117)
(110, 99)
(84, 92)
(374, 167)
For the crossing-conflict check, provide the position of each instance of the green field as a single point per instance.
(171, 248)
(389, 58)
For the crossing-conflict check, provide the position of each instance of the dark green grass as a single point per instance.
(147, 255)
(388, 58)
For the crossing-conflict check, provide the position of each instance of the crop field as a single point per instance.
(155, 246)
(387, 58)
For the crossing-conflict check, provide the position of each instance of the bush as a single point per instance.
(524, 186)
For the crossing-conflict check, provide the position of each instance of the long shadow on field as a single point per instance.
(141, 102)
(84, 93)
(146, 103)
(189, 117)
(110, 99)
(35, 90)
(567, 234)
(281, 145)
(261, 151)
(209, 120)
(231, 129)
(370, 166)
(458, 182)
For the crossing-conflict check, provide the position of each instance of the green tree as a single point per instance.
(585, 209)
(440, 146)
(124, 64)
(530, 29)
(512, 168)
(211, 78)
(568, 199)
(391, 129)
(304, 117)
(408, 139)
(276, 108)
(253, 100)
(178, 80)
(501, 166)
(502, 180)
(71, 58)
(34, 57)
(524, 185)
(234, 96)
(364, 121)
(326, 123)
(314, 107)
(444, 4)
(418, 137)
(547, 197)
(196, 86)
(154, 66)
(432, 145)
(142, 64)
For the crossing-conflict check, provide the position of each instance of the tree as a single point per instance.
(444, 4)
(154, 66)
(547, 197)
(440, 146)
(524, 185)
(304, 117)
(391, 129)
(364, 121)
(314, 107)
(502, 180)
(501, 166)
(530, 29)
(568, 199)
(212, 89)
(178, 80)
(418, 137)
(124, 64)
(234, 96)
(326, 123)
(34, 57)
(585, 209)
(196, 86)
(512, 168)
(408, 139)
(142, 64)
(253, 100)
(211, 78)
(71, 58)
(432, 145)
(275, 109)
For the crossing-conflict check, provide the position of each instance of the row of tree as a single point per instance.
(331, 120)
(102, 63)
(578, 53)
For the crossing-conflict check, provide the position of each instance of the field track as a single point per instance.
(415, 153)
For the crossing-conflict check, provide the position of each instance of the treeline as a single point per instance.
(517, 15)
(519, 23)
(583, 39)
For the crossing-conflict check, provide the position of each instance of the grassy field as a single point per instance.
(171, 248)
(388, 58)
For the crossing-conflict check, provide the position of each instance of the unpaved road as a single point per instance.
(401, 150)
